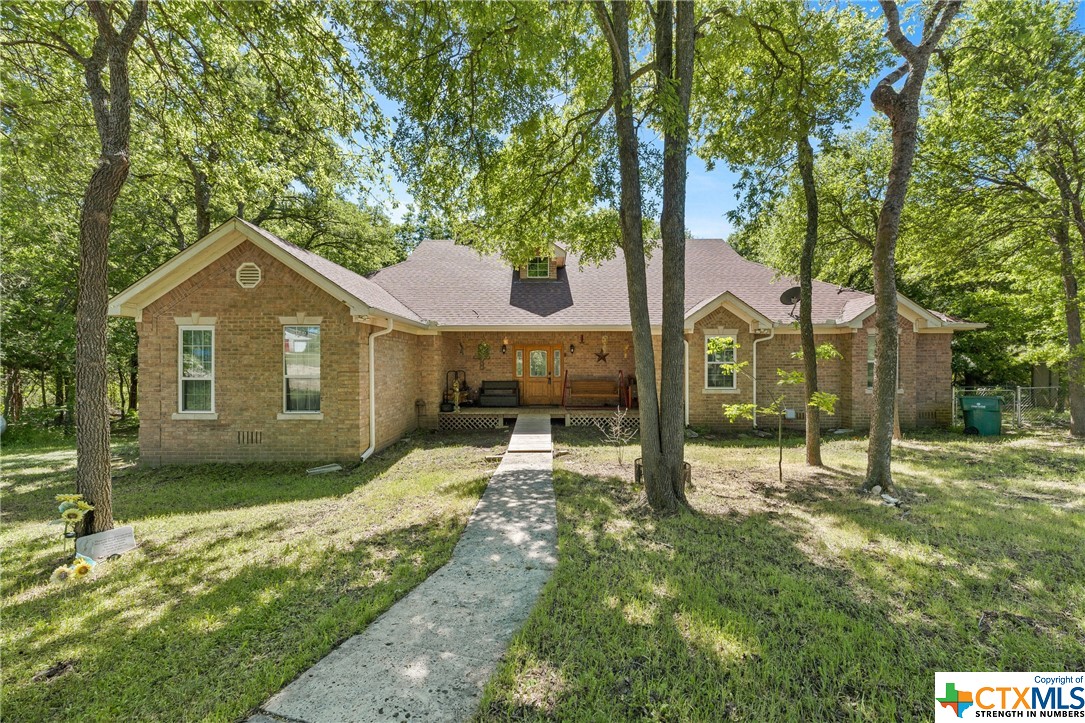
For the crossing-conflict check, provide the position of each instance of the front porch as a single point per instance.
(495, 417)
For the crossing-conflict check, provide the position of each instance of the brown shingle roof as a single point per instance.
(371, 294)
(456, 286)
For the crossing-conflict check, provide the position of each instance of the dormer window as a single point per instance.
(538, 268)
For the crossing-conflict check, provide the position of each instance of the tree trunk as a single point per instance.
(112, 115)
(780, 446)
(674, 73)
(202, 191)
(59, 398)
(133, 383)
(92, 476)
(1075, 362)
(806, 302)
(120, 388)
(630, 214)
(13, 394)
(902, 109)
(880, 447)
(58, 392)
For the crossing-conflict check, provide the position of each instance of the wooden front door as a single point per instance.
(540, 384)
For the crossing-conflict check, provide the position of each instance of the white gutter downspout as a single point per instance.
(373, 392)
(685, 343)
(772, 333)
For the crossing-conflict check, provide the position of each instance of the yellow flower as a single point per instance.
(81, 569)
(69, 498)
(73, 515)
(61, 574)
(84, 506)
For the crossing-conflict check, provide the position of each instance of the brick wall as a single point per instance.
(411, 368)
(248, 370)
(398, 384)
(705, 406)
(772, 354)
(458, 350)
(934, 387)
(925, 378)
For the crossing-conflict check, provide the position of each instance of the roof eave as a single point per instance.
(132, 301)
(754, 318)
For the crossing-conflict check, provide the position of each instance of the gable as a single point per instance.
(214, 291)
(361, 296)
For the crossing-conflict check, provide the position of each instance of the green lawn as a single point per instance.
(244, 576)
(807, 601)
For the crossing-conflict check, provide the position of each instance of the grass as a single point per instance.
(807, 601)
(244, 575)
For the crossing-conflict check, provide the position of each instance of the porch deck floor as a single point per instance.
(553, 411)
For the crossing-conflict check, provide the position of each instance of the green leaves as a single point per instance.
(776, 73)
(237, 107)
(824, 401)
(735, 412)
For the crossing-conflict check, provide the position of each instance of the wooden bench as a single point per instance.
(499, 394)
(597, 392)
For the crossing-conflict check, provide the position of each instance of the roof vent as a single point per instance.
(249, 275)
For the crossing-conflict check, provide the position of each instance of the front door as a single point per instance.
(539, 381)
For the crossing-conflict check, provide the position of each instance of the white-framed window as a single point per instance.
(519, 362)
(538, 268)
(301, 369)
(557, 362)
(871, 347)
(720, 356)
(196, 369)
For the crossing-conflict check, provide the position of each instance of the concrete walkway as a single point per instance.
(428, 657)
(531, 434)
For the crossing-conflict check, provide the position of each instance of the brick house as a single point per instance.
(251, 348)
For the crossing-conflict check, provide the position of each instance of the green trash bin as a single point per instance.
(982, 415)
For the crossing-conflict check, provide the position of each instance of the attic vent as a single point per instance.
(249, 275)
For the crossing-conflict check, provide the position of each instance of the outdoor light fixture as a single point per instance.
(572, 349)
(504, 345)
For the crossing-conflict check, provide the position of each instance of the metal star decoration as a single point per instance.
(601, 356)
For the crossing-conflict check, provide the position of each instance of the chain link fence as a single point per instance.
(1022, 406)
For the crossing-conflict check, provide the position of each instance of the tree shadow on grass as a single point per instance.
(798, 612)
(139, 493)
(204, 638)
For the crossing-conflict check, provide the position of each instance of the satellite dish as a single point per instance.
(791, 296)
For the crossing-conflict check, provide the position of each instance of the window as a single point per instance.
(536, 363)
(197, 369)
(519, 362)
(557, 362)
(871, 346)
(719, 356)
(301, 368)
(538, 268)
